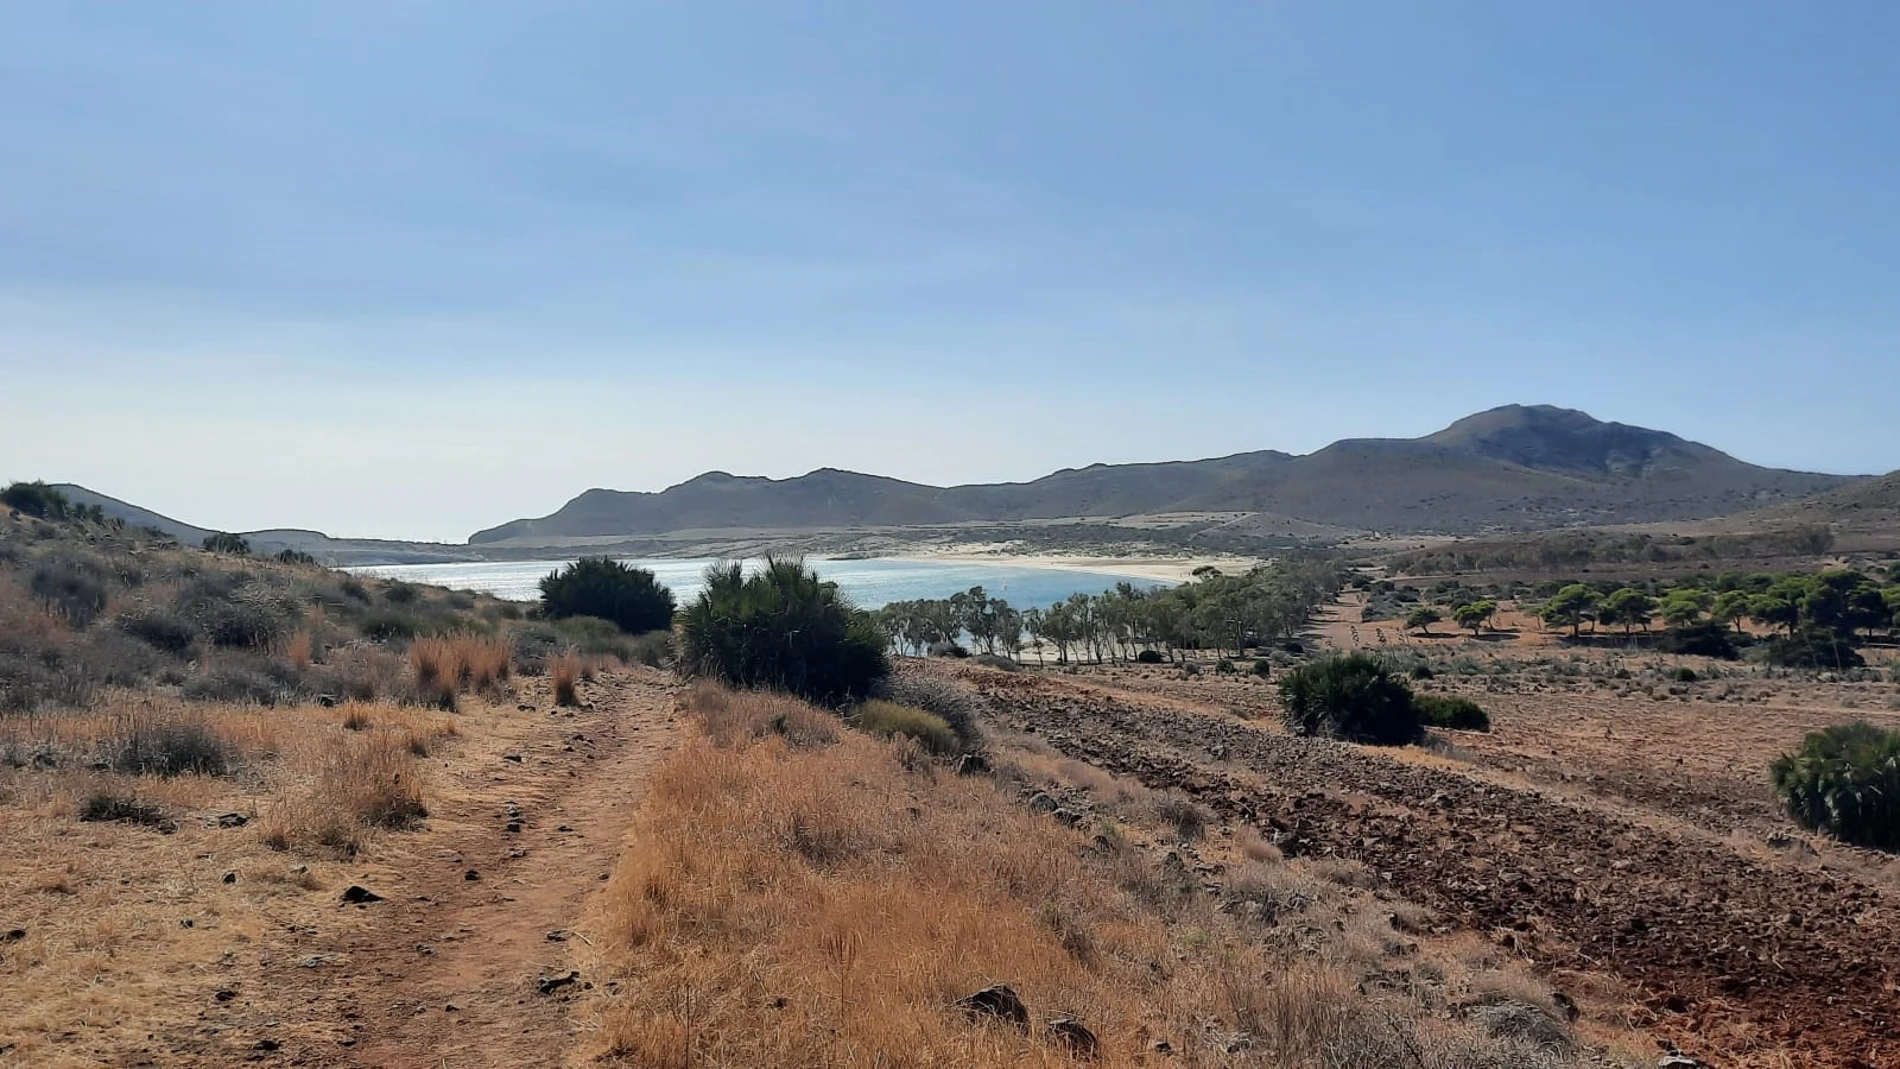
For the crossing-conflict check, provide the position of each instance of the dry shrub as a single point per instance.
(817, 906)
(171, 743)
(443, 667)
(1253, 846)
(355, 784)
(728, 719)
(564, 673)
(300, 650)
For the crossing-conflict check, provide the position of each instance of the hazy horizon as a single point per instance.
(413, 272)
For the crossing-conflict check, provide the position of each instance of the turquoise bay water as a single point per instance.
(870, 583)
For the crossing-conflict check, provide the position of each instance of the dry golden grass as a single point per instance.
(345, 786)
(792, 897)
(106, 959)
(443, 667)
(564, 674)
(299, 650)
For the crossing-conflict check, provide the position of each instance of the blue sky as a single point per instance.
(410, 269)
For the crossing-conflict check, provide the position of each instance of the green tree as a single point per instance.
(1731, 607)
(631, 598)
(1683, 606)
(1570, 607)
(1628, 606)
(781, 627)
(1422, 618)
(1474, 615)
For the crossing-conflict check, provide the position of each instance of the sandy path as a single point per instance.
(444, 971)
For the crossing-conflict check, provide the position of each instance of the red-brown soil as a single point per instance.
(1742, 959)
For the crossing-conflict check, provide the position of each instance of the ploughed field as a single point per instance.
(1598, 832)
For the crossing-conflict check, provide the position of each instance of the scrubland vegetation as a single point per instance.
(798, 894)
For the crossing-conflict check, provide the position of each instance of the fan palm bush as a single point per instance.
(783, 628)
(1352, 698)
(1845, 780)
(632, 598)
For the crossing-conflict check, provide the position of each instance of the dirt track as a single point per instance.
(1741, 962)
(444, 970)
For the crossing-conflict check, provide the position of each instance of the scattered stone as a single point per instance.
(267, 1045)
(1042, 802)
(232, 820)
(513, 827)
(558, 935)
(1678, 1061)
(548, 985)
(515, 757)
(1566, 1005)
(524, 707)
(187, 923)
(471, 875)
(358, 895)
(1074, 1036)
(224, 995)
(973, 764)
(230, 877)
(999, 1001)
(452, 1008)
(299, 870)
(13, 935)
(312, 961)
(563, 828)
(328, 701)
(1161, 1046)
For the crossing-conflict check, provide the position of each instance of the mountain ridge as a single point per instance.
(1521, 467)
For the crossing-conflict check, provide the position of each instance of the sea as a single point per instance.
(870, 584)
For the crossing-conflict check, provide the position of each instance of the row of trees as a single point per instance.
(1842, 602)
(1214, 611)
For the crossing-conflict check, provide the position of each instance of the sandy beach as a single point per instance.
(1161, 569)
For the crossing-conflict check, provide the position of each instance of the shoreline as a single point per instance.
(1160, 569)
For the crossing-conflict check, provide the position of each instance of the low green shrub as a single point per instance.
(957, 706)
(1351, 697)
(174, 748)
(1149, 657)
(888, 720)
(118, 808)
(389, 627)
(997, 661)
(1224, 667)
(1845, 780)
(160, 630)
(1449, 711)
(595, 637)
(1815, 649)
(1700, 640)
(1262, 667)
(72, 588)
(1685, 674)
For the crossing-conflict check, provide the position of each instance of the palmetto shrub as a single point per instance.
(1845, 780)
(781, 628)
(1352, 698)
(630, 597)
